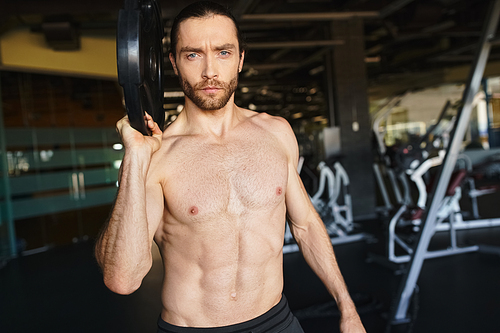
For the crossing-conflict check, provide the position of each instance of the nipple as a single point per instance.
(233, 295)
(193, 210)
(279, 190)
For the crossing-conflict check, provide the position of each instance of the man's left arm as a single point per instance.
(312, 238)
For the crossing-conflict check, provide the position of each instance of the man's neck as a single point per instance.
(214, 122)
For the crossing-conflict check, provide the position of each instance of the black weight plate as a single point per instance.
(140, 61)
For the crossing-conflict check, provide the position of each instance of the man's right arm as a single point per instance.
(123, 249)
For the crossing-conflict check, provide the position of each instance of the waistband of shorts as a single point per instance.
(279, 315)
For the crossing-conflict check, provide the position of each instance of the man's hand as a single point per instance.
(133, 139)
(351, 324)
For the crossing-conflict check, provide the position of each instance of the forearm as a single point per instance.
(123, 249)
(317, 250)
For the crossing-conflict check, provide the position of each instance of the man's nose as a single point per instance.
(210, 71)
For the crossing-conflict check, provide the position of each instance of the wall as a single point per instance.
(62, 166)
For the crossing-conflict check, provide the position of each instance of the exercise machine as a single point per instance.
(382, 166)
(405, 224)
(416, 159)
(399, 310)
(332, 200)
(336, 215)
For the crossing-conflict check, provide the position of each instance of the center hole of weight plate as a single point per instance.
(153, 65)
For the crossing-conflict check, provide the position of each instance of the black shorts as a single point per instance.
(277, 320)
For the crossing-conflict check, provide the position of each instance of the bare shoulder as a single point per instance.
(160, 160)
(274, 124)
(172, 135)
(280, 128)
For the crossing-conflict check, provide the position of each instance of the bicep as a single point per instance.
(300, 210)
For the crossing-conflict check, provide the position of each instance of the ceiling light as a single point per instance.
(117, 164)
(117, 146)
(372, 59)
(316, 70)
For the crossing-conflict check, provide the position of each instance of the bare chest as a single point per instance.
(209, 181)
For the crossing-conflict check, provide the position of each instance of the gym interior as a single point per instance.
(396, 108)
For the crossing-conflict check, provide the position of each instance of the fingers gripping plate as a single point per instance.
(140, 61)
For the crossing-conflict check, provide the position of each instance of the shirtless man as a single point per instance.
(214, 191)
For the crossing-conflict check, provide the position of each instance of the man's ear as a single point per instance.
(242, 58)
(172, 61)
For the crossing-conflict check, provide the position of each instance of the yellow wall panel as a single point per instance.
(27, 51)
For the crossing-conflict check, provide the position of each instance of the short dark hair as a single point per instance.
(202, 9)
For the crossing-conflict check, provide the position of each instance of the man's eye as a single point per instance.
(191, 55)
(224, 53)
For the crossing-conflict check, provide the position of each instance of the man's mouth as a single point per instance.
(211, 89)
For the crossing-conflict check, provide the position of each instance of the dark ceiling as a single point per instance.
(407, 42)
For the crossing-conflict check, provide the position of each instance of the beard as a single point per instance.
(209, 103)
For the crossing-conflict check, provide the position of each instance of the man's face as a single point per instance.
(208, 60)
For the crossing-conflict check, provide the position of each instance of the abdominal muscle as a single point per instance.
(221, 272)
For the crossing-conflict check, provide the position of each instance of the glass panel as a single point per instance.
(61, 153)
(7, 232)
(54, 180)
